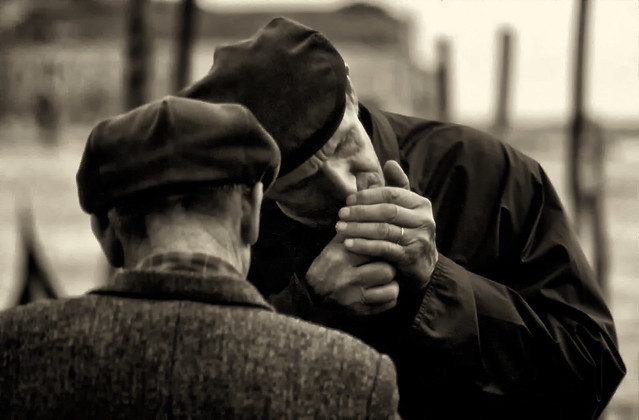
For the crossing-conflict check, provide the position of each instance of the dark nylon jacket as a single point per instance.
(512, 324)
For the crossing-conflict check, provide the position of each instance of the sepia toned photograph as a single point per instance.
(320, 209)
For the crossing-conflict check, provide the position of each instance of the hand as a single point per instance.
(351, 282)
(394, 224)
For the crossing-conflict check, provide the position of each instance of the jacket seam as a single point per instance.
(169, 403)
(369, 403)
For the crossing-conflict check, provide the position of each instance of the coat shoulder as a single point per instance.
(239, 351)
(430, 148)
(44, 314)
(318, 369)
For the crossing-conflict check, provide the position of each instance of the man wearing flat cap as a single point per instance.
(174, 191)
(434, 242)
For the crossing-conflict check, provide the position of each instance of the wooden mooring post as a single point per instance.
(586, 154)
(501, 122)
(184, 44)
(443, 79)
(138, 55)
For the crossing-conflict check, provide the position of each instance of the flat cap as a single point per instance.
(291, 78)
(173, 143)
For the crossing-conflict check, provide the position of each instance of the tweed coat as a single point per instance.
(167, 345)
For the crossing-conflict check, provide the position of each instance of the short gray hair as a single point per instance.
(129, 218)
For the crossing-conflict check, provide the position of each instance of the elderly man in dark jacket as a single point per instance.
(436, 243)
(174, 189)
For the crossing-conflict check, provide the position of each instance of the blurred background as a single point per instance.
(559, 79)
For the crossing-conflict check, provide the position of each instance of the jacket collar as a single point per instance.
(381, 133)
(215, 289)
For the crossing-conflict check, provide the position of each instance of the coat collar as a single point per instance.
(381, 133)
(213, 289)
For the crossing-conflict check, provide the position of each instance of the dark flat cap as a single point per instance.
(291, 78)
(174, 143)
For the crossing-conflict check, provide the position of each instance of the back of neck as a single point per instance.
(192, 235)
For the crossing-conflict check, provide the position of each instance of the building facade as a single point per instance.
(73, 54)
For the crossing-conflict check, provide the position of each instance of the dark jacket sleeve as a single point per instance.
(512, 322)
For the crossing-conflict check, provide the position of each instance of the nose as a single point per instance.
(340, 181)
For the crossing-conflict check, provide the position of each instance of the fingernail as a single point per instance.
(344, 212)
(348, 243)
(350, 200)
(340, 226)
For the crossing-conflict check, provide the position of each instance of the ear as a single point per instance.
(105, 234)
(251, 206)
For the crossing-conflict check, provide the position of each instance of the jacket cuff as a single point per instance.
(420, 301)
(447, 291)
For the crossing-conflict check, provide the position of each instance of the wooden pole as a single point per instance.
(138, 55)
(36, 279)
(578, 114)
(443, 79)
(586, 165)
(5, 41)
(502, 118)
(184, 44)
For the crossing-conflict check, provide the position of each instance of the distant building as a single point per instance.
(74, 50)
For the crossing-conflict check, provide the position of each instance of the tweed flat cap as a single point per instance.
(174, 143)
(291, 78)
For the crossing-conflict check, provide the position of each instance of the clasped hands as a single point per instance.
(385, 241)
